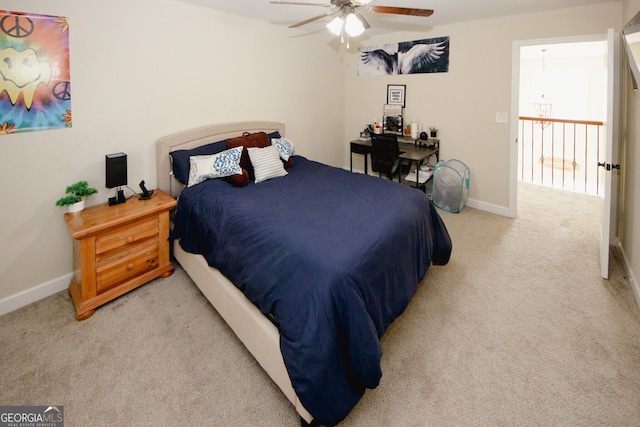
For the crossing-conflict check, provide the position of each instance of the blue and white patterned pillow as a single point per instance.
(285, 147)
(225, 163)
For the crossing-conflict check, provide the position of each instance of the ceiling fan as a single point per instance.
(349, 20)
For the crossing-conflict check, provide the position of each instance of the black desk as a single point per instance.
(411, 151)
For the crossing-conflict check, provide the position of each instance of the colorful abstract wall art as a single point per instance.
(418, 56)
(35, 81)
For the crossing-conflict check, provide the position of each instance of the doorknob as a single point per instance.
(608, 166)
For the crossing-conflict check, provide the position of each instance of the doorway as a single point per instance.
(562, 112)
(564, 64)
(548, 81)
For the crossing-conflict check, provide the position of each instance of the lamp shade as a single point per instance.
(353, 25)
(116, 170)
(335, 26)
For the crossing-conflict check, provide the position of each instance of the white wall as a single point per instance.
(463, 102)
(142, 69)
(574, 85)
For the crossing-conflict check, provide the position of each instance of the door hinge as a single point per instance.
(608, 166)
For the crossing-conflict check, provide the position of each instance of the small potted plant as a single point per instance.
(76, 194)
(434, 131)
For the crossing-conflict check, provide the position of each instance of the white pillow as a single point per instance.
(285, 147)
(266, 163)
(225, 163)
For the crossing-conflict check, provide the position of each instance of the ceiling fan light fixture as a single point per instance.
(353, 26)
(335, 26)
(356, 24)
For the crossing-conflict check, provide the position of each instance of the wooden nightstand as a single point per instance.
(118, 248)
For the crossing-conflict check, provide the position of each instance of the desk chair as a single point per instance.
(384, 155)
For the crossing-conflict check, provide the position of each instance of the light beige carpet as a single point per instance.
(518, 329)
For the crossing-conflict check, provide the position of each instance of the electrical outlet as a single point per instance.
(502, 117)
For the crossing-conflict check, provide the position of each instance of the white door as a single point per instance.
(606, 156)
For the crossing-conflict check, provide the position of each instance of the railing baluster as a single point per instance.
(574, 163)
(553, 151)
(521, 148)
(599, 160)
(542, 155)
(564, 151)
(586, 155)
(532, 148)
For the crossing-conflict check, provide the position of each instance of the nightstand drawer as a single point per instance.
(126, 237)
(124, 268)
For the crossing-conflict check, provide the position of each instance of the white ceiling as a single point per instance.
(446, 12)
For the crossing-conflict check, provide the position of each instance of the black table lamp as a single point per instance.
(116, 175)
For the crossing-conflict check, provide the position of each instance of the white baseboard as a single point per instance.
(488, 207)
(635, 286)
(26, 297)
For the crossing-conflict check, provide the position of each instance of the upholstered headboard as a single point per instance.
(200, 136)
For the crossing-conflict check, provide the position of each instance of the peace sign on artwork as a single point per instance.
(16, 26)
(62, 91)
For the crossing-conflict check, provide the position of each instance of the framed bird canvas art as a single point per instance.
(418, 56)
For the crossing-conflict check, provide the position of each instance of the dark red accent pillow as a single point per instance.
(289, 163)
(239, 180)
(258, 139)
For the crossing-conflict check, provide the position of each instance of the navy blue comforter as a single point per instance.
(333, 257)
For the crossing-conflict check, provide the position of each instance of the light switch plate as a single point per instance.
(502, 117)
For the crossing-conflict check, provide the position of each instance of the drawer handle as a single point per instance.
(129, 239)
(130, 267)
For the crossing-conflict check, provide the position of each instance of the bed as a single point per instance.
(308, 269)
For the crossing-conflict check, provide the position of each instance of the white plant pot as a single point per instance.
(76, 207)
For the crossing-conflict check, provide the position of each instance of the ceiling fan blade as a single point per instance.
(364, 21)
(306, 21)
(296, 3)
(401, 10)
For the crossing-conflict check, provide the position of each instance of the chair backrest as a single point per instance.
(384, 153)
